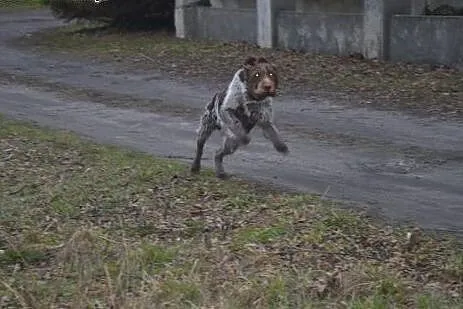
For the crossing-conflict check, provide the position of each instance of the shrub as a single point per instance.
(121, 13)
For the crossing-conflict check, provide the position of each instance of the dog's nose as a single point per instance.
(267, 87)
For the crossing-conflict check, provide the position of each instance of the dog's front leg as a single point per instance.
(271, 133)
(234, 128)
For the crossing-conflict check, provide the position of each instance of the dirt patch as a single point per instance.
(89, 225)
(417, 88)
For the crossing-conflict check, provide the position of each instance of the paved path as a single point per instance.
(402, 167)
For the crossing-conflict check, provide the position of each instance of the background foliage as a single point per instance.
(127, 14)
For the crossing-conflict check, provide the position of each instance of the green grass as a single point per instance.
(93, 226)
(22, 4)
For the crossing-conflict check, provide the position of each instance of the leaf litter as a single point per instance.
(94, 226)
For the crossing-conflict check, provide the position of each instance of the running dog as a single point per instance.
(235, 111)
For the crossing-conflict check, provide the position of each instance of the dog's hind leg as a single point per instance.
(205, 131)
(229, 146)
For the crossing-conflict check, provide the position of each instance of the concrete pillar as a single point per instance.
(265, 23)
(373, 29)
(376, 25)
(266, 20)
(185, 18)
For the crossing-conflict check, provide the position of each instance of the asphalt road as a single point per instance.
(402, 167)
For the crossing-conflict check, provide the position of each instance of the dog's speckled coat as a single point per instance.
(234, 112)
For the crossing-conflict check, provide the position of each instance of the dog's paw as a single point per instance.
(245, 140)
(282, 148)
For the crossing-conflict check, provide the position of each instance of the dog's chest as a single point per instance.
(249, 116)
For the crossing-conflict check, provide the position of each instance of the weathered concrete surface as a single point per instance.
(234, 4)
(403, 167)
(329, 6)
(266, 20)
(226, 24)
(333, 27)
(376, 25)
(337, 34)
(427, 39)
(265, 23)
(185, 19)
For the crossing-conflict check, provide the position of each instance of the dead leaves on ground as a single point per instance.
(124, 213)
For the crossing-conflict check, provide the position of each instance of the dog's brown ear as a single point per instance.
(262, 60)
(250, 61)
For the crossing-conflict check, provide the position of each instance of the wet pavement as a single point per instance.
(402, 167)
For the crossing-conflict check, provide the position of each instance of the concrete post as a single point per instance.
(266, 20)
(265, 23)
(376, 25)
(184, 22)
(373, 29)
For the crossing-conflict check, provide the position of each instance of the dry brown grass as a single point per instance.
(91, 226)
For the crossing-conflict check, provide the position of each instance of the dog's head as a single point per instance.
(260, 78)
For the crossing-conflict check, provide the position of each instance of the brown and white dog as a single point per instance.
(234, 112)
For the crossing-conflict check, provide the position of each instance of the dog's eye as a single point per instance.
(270, 74)
(257, 75)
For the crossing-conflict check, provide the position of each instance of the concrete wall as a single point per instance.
(338, 34)
(329, 6)
(186, 22)
(234, 4)
(375, 33)
(392, 7)
(427, 39)
(222, 25)
(376, 25)
(267, 11)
